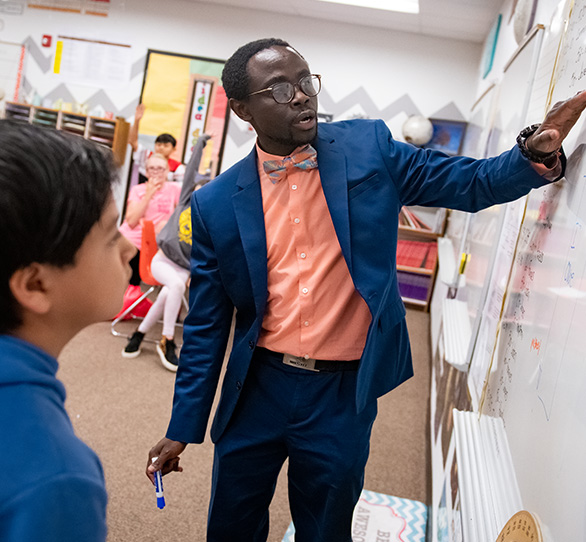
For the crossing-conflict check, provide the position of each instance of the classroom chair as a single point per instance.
(148, 249)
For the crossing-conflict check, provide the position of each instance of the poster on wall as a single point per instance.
(490, 47)
(92, 63)
(198, 114)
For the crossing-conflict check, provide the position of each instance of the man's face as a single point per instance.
(280, 127)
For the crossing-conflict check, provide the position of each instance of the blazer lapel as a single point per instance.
(247, 202)
(332, 171)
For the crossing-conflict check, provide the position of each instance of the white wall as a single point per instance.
(381, 73)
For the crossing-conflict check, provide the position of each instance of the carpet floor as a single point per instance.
(120, 407)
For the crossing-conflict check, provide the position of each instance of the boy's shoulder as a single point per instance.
(173, 164)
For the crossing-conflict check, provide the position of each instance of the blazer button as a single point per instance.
(251, 345)
(238, 386)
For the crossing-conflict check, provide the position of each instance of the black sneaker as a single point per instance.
(167, 352)
(132, 349)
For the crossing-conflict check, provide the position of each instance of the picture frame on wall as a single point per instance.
(448, 136)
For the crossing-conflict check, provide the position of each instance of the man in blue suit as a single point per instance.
(298, 241)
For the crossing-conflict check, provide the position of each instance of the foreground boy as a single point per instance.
(63, 266)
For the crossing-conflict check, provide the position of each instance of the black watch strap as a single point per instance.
(547, 159)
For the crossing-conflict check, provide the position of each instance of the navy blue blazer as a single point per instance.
(366, 176)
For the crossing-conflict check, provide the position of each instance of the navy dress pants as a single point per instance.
(309, 418)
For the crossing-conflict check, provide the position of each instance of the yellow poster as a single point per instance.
(165, 94)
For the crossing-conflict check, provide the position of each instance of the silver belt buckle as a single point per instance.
(300, 362)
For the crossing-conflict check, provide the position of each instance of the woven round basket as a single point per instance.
(522, 527)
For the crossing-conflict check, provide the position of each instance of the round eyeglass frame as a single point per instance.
(291, 88)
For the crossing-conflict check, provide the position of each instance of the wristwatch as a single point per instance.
(546, 159)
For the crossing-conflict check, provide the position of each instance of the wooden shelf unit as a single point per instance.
(416, 278)
(110, 133)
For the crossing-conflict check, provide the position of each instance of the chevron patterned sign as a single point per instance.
(382, 518)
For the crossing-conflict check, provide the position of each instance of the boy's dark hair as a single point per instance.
(166, 138)
(53, 188)
(235, 74)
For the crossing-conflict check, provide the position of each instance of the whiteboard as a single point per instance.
(537, 382)
(493, 232)
(474, 145)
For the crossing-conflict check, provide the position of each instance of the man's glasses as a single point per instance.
(156, 169)
(283, 93)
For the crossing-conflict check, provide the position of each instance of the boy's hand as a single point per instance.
(557, 125)
(167, 453)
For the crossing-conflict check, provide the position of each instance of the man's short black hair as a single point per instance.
(235, 74)
(166, 138)
(53, 188)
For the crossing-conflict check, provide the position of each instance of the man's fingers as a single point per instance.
(171, 466)
(164, 456)
(557, 124)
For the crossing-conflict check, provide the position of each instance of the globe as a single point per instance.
(417, 130)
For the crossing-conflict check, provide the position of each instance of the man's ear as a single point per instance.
(241, 109)
(29, 287)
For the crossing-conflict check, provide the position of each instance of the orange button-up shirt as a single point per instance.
(313, 309)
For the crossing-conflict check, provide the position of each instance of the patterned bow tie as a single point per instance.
(305, 158)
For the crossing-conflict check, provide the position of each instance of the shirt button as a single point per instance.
(293, 187)
(306, 356)
(305, 323)
(297, 221)
(305, 290)
(303, 255)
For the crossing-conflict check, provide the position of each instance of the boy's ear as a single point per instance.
(241, 109)
(29, 286)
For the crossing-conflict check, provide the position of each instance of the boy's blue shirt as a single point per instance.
(52, 485)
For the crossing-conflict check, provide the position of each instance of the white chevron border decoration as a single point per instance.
(382, 517)
(122, 102)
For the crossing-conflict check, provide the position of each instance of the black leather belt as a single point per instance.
(310, 364)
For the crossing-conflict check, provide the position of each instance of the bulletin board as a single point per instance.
(537, 378)
(168, 94)
(12, 57)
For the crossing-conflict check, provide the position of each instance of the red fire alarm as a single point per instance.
(46, 41)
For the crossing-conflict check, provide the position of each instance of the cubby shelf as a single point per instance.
(112, 133)
(417, 253)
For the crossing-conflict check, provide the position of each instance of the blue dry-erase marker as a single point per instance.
(159, 487)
